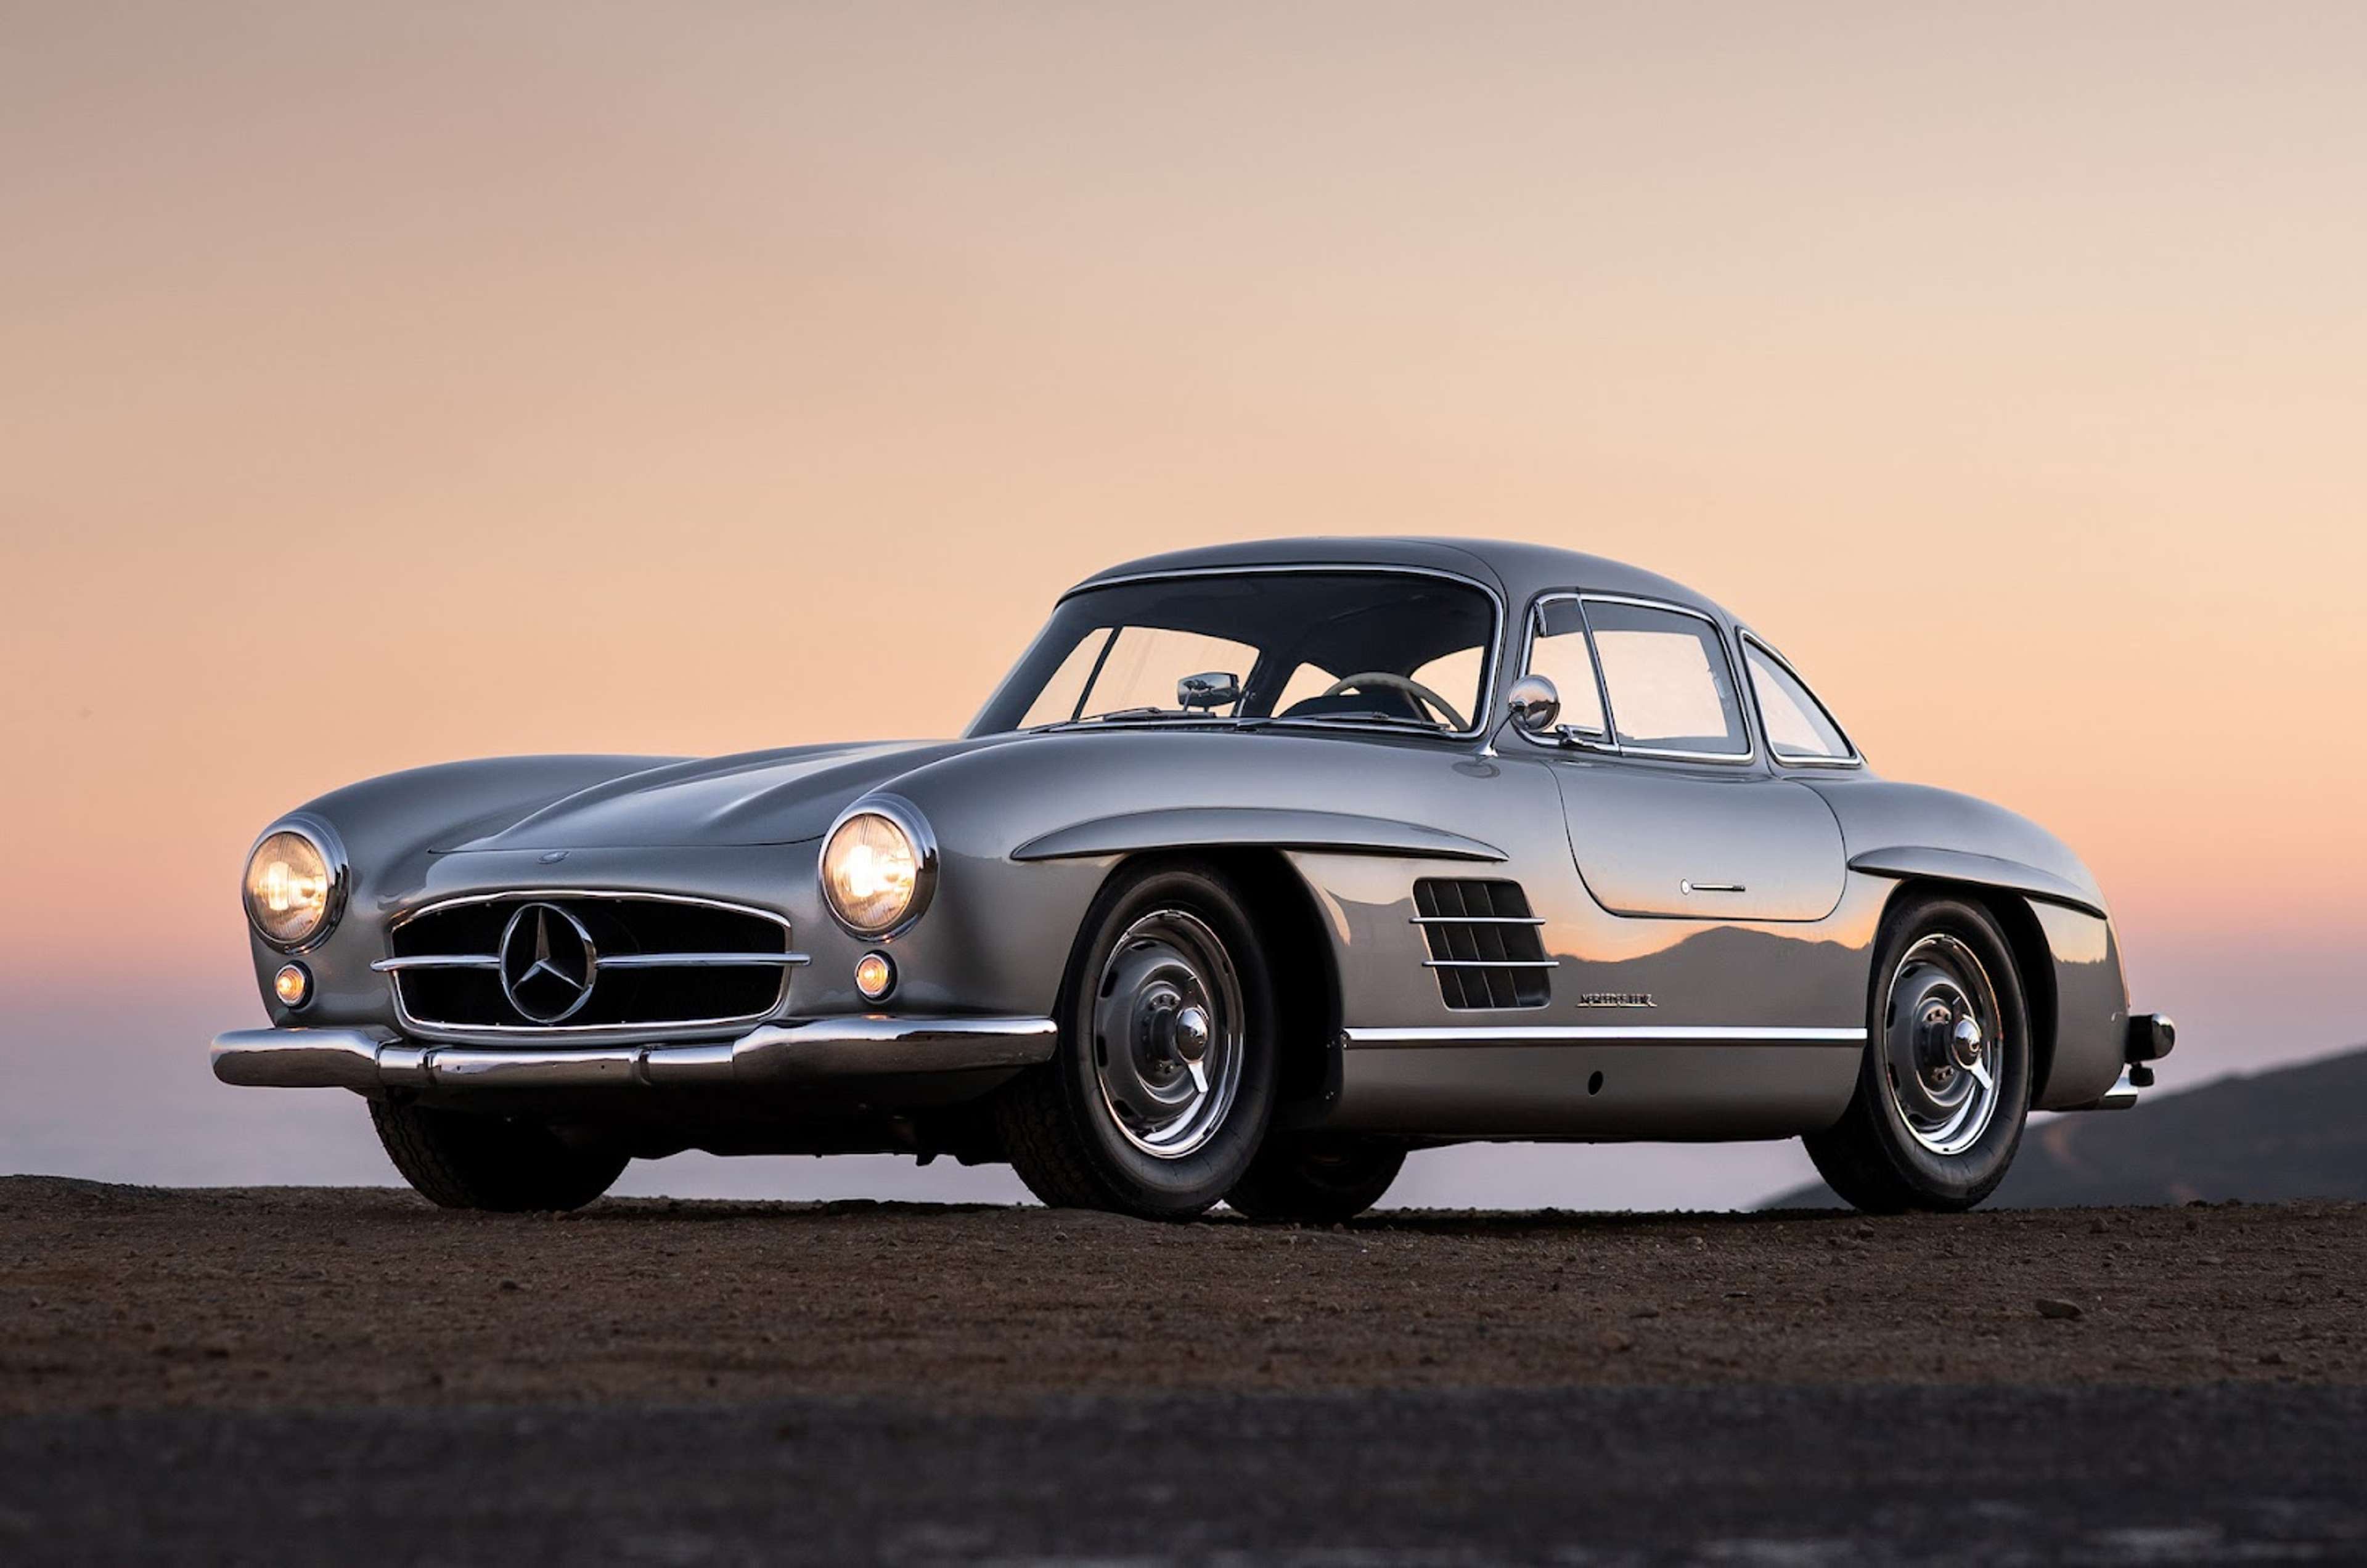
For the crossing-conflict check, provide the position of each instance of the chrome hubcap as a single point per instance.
(1941, 1043)
(1167, 1045)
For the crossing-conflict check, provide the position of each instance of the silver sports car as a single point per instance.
(1265, 864)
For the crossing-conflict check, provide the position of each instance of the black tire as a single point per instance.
(1058, 1127)
(1873, 1157)
(1318, 1180)
(459, 1161)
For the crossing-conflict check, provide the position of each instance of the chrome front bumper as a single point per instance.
(371, 1060)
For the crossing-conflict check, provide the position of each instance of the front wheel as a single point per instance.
(1164, 1079)
(1945, 1086)
(1317, 1179)
(459, 1161)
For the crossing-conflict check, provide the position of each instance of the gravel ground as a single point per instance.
(334, 1376)
(1783, 1477)
(122, 1299)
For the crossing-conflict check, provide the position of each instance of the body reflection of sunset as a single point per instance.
(382, 390)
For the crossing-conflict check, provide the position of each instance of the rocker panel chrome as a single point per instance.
(1596, 1034)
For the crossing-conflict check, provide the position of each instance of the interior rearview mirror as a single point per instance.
(1215, 689)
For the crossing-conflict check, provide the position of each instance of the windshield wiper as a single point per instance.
(1373, 716)
(1140, 715)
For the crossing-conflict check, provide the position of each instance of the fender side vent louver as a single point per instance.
(1485, 945)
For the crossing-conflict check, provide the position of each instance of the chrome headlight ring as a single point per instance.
(917, 865)
(324, 841)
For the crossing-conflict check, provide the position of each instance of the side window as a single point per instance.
(1671, 687)
(1557, 652)
(1798, 728)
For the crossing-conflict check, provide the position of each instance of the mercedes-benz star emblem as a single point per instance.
(548, 962)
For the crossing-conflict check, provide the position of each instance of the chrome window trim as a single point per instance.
(1602, 740)
(1609, 744)
(1482, 719)
(788, 960)
(1751, 639)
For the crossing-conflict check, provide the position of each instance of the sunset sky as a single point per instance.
(384, 384)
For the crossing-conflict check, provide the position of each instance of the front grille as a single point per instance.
(1485, 946)
(650, 962)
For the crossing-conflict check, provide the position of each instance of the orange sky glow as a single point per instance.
(383, 385)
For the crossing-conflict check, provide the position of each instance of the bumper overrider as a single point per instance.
(370, 1060)
(2151, 1037)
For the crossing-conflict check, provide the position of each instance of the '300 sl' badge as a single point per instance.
(1616, 999)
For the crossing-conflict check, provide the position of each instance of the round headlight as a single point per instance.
(877, 869)
(293, 881)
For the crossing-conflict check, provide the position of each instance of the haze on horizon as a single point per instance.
(389, 385)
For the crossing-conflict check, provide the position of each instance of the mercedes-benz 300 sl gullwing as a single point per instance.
(1267, 864)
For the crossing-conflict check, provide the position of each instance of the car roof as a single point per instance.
(1517, 572)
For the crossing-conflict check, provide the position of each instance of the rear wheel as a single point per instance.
(1164, 1079)
(1945, 1086)
(1317, 1179)
(460, 1161)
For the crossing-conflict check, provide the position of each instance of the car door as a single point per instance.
(1672, 813)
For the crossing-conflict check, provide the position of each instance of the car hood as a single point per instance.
(757, 797)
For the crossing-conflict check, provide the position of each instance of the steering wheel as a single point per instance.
(1369, 679)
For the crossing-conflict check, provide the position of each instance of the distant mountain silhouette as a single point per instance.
(2291, 1133)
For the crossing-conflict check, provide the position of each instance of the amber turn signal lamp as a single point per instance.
(874, 977)
(292, 984)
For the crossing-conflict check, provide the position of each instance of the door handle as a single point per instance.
(1692, 887)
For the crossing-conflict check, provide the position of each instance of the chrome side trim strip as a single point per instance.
(1598, 1034)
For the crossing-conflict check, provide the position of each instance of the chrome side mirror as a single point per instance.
(1214, 689)
(1535, 703)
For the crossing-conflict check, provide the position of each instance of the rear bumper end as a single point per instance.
(799, 1049)
(2151, 1037)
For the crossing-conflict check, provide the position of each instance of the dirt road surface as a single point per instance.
(343, 1375)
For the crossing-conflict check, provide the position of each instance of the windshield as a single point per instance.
(1386, 647)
